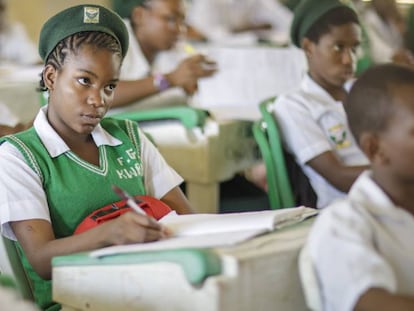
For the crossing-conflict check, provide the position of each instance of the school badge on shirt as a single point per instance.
(338, 135)
(90, 15)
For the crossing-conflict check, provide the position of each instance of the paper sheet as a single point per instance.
(248, 75)
(214, 230)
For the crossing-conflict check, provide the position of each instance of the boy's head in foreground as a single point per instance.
(380, 110)
(82, 47)
(329, 33)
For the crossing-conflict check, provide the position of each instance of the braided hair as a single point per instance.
(72, 44)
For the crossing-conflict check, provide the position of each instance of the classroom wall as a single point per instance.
(34, 13)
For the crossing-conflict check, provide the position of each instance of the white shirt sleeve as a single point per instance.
(159, 177)
(21, 192)
(302, 135)
(342, 248)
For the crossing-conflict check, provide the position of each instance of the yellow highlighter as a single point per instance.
(207, 64)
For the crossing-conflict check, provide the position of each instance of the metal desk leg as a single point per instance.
(204, 197)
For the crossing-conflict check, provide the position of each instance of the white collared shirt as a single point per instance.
(311, 123)
(361, 242)
(22, 195)
(134, 66)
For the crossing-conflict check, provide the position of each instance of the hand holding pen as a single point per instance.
(190, 70)
(130, 201)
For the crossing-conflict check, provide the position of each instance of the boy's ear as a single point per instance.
(370, 145)
(306, 46)
(49, 76)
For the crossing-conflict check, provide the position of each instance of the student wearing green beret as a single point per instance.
(62, 169)
(155, 26)
(312, 119)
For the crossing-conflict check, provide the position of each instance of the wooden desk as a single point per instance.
(260, 274)
(206, 156)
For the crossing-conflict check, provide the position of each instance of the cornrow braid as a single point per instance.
(72, 44)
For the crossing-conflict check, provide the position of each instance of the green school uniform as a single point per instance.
(75, 188)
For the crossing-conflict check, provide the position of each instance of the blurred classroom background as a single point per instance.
(237, 193)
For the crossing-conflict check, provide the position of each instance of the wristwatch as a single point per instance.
(161, 82)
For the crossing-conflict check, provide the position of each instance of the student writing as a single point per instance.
(62, 169)
(155, 26)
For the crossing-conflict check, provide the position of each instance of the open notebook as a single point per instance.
(214, 230)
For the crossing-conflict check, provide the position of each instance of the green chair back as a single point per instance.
(190, 117)
(275, 142)
(262, 140)
(10, 264)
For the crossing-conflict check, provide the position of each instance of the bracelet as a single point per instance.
(161, 82)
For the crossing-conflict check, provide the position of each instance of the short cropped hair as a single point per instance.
(335, 17)
(370, 103)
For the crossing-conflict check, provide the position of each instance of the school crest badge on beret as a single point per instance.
(90, 15)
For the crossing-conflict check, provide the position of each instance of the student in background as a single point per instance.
(240, 21)
(63, 168)
(155, 26)
(312, 119)
(15, 45)
(387, 30)
(361, 246)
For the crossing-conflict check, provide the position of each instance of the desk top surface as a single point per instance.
(198, 264)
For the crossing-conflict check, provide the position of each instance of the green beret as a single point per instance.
(86, 17)
(124, 7)
(306, 13)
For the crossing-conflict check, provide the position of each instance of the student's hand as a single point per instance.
(188, 72)
(257, 175)
(403, 57)
(132, 227)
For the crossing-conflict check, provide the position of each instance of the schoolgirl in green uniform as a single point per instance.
(60, 170)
